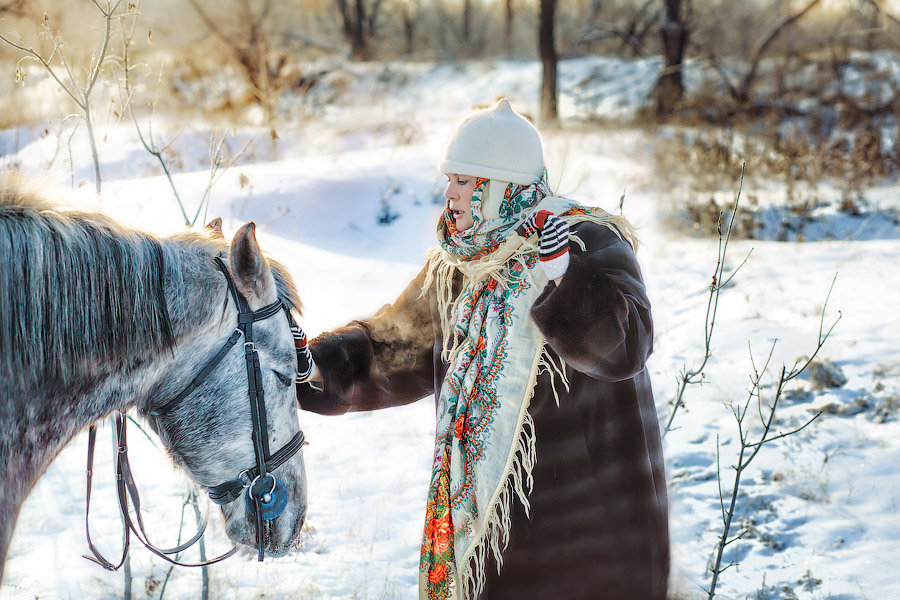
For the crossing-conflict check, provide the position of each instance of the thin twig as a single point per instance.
(719, 281)
(150, 146)
(220, 160)
(204, 570)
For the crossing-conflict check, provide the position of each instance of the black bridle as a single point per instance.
(266, 496)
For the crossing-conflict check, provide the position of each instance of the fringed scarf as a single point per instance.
(484, 441)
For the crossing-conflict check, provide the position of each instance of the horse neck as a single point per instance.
(36, 423)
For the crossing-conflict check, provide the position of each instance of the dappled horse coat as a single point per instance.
(598, 525)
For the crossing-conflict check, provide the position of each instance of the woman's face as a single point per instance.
(459, 199)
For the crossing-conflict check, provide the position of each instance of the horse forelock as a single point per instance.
(284, 283)
(79, 294)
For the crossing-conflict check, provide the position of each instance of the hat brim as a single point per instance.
(462, 168)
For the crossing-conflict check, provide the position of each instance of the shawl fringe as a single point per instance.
(517, 484)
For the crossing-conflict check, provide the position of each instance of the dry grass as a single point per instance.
(702, 164)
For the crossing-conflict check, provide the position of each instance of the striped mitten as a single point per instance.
(553, 246)
(305, 365)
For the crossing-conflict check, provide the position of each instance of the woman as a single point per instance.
(531, 325)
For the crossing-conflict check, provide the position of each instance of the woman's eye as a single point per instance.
(285, 380)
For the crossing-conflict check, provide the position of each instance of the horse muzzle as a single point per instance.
(281, 531)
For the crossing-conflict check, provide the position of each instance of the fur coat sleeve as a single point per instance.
(598, 318)
(378, 362)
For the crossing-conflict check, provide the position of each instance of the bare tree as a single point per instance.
(466, 36)
(15, 8)
(886, 17)
(675, 35)
(78, 84)
(549, 60)
(261, 37)
(632, 33)
(359, 25)
(409, 27)
(741, 89)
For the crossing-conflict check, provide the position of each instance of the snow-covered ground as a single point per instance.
(819, 507)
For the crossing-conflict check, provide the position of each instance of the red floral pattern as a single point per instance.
(471, 415)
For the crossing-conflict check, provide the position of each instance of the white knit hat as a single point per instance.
(496, 143)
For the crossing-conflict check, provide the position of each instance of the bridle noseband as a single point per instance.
(266, 496)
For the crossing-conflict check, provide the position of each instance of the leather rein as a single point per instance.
(266, 496)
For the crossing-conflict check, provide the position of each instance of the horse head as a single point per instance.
(99, 318)
(216, 429)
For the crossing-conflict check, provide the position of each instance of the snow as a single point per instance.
(819, 506)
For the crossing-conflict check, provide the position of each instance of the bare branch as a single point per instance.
(719, 480)
(35, 55)
(600, 31)
(743, 89)
(799, 368)
(211, 25)
(147, 141)
(739, 536)
(690, 376)
(99, 65)
(886, 15)
(717, 65)
(220, 160)
(787, 433)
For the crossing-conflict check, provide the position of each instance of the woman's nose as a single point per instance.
(448, 192)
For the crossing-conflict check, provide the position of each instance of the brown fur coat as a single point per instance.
(598, 527)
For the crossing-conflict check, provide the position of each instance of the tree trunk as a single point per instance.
(508, 29)
(359, 45)
(549, 59)
(409, 30)
(354, 21)
(466, 29)
(675, 34)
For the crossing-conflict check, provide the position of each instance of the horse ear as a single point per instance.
(252, 274)
(214, 228)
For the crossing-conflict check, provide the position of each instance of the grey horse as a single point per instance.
(95, 317)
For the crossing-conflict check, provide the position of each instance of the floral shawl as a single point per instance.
(484, 440)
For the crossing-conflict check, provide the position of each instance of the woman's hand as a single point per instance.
(553, 245)
(306, 368)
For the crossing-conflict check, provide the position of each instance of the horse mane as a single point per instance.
(81, 295)
(78, 292)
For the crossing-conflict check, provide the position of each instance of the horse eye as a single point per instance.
(285, 380)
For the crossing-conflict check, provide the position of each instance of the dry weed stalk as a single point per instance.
(749, 449)
(188, 498)
(220, 159)
(148, 140)
(719, 281)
